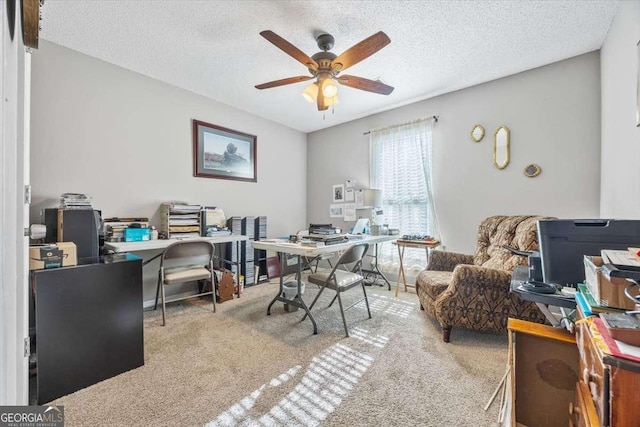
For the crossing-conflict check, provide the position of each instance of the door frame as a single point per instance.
(14, 213)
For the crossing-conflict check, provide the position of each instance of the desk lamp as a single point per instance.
(372, 202)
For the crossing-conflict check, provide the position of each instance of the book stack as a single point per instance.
(114, 227)
(75, 201)
(180, 220)
(608, 345)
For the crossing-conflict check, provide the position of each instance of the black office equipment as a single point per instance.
(80, 226)
(534, 282)
(322, 229)
(564, 242)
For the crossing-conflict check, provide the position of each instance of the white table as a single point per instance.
(283, 247)
(161, 244)
(402, 244)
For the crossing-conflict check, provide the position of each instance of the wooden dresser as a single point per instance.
(608, 389)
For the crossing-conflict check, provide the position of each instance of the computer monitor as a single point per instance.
(564, 242)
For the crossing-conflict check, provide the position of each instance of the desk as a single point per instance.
(543, 301)
(161, 244)
(283, 247)
(402, 244)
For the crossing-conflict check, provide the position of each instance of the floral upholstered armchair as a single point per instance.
(473, 291)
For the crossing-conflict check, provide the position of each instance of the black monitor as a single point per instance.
(564, 242)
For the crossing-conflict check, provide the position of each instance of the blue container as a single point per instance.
(137, 234)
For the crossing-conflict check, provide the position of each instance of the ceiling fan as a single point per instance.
(325, 67)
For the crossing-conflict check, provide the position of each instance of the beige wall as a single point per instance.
(620, 180)
(553, 113)
(126, 140)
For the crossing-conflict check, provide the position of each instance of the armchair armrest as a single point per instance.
(447, 261)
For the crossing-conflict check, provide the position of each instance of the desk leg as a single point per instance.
(297, 300)
(283, 264)
(377, 270)
(298, 297)
(548, 314)
(238, 266)
(400, 271)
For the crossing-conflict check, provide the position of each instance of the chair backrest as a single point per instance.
(193, 248)
(352, 255)
(518, 231)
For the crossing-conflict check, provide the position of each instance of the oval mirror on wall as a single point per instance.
(501, 147)
(477, 133)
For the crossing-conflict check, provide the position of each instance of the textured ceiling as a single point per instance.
(214, 48)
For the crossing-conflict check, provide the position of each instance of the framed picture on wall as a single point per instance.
(223, 153)
(338, 193)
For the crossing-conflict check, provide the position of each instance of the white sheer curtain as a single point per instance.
(401, 168)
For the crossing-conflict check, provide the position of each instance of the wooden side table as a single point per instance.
(402, 244)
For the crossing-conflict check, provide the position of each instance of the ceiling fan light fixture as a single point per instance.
(329, 88)
(331, 101)
(310, 93)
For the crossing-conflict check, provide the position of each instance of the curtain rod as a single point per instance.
(435, 118)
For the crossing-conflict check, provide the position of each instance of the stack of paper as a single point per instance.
(75, 201)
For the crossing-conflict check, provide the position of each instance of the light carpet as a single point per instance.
(240, 367)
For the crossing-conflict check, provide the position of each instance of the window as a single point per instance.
(401, 168)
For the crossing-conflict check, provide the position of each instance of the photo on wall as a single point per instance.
(338, 193)
(336, 210)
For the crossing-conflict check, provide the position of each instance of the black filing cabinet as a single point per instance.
(88, 323)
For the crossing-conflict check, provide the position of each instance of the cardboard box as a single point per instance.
(607, 292)
(52, 255)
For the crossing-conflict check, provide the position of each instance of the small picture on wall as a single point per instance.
(338, 193)
(336, 210)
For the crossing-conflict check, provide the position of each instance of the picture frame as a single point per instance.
(338, 193)
(336, 210)
(223, 153)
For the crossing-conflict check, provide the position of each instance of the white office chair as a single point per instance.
(188, 273)
(341, 280)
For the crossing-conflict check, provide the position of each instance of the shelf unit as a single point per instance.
(248, 229)
(260, 256)
(180, 220)
(231, 254)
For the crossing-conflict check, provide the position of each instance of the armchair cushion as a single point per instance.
(447, 261)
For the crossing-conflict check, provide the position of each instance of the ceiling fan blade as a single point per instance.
(290, 49)
(365, 84)
(283, 82)
(360, 51)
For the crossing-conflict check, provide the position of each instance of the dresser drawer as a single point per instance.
(594, 376)
(583, 413)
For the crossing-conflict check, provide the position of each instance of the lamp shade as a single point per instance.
(311, 92)
(329, 88)
(372, 198)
